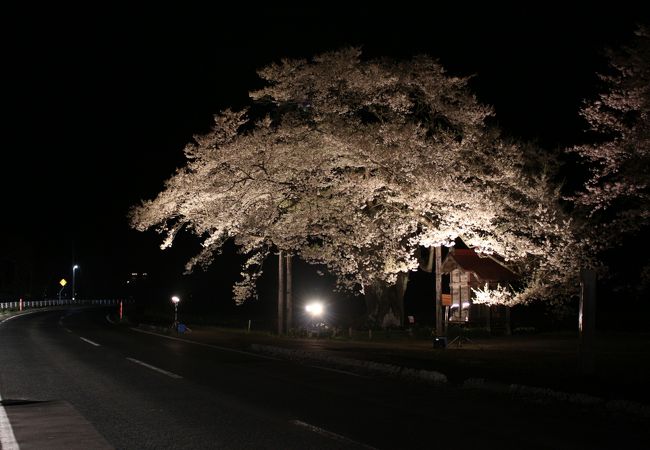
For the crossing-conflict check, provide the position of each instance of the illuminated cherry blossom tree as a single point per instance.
(355, 164)
(617, 191)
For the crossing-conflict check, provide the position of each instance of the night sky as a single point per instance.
(98, 105)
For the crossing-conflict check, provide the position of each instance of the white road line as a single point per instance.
(7, 438)
(24, 313)
(67, 329)
(149, 366)
(89, 341)
(224, 349)
(329, 434)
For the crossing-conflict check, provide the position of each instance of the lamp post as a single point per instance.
(74, 278)
(175, 301)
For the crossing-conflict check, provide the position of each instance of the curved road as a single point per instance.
(70, 379)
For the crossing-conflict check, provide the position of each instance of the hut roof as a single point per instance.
(486, 268)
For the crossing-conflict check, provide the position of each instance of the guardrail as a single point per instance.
(29, 304)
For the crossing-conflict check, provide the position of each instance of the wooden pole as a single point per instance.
(281, 292)
(439, 324)
(289, 295)
(587, 320)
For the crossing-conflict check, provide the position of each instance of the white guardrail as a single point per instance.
(29, 304)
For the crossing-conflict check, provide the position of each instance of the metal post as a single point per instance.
(74, 279)
(175, 312)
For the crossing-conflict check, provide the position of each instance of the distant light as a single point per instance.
(75, 267)
(314, 308)
(175, 299)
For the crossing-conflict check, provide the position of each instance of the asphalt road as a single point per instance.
(105, 385)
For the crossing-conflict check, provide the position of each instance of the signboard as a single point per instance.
(446, 299)
(63, 282)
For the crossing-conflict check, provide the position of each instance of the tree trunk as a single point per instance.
(385, 303)
(289, 295)
(281, 292)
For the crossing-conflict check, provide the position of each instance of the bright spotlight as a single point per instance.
(314, 308)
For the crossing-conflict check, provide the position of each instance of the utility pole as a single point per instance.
(281, 291)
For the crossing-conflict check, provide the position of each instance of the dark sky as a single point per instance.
(99, 103)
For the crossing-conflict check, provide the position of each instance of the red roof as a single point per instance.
(485, 268)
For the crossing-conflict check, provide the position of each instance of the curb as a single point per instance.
(539, 394)
(524, 392)
(349, 363)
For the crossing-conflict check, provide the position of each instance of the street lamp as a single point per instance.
(74, 272)
(175, 301)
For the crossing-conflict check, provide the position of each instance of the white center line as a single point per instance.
(7, 438)
(149, 366)
(89, 341)
(329, 434)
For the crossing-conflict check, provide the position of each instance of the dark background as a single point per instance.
(98, 104)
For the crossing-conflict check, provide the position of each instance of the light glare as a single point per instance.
(315, 308)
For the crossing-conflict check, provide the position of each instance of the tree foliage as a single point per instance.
(617, 191)
(355, 164)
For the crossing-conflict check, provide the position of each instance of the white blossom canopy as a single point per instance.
(356, 163)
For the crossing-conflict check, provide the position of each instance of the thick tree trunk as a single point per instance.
(385, 303)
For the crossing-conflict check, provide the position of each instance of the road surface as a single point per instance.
(71, 379)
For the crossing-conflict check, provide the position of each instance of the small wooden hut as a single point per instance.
(466, 269)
